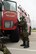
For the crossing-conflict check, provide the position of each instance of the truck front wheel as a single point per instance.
(14, 37)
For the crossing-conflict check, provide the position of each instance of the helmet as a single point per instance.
(21, 18)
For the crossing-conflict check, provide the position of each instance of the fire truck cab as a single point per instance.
(9, 20)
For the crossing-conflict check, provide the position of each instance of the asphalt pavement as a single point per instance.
(15, 48)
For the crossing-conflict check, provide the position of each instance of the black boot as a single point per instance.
(26, 44)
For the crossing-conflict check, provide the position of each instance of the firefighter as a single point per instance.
(23, 32)
(3, 48)
(23, 29)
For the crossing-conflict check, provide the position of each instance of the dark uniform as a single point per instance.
(3, 48)
(23, 32)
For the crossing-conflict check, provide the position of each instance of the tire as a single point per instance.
(14, 37)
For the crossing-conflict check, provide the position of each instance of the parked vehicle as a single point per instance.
(9, 20)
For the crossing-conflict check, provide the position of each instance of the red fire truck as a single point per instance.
(9, 20)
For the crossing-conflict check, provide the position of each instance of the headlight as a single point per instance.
(8, 24)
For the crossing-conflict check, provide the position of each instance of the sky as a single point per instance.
(30, 8)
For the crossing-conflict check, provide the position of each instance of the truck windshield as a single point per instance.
(10, 5)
